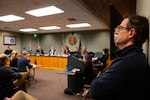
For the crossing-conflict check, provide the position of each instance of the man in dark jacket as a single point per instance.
(39, 51)
(129, 75)
(7, 88)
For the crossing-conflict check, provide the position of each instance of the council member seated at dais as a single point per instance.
(39, 51)
(52, 51)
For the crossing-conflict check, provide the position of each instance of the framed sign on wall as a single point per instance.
(9, 40)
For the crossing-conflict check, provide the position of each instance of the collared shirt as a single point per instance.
(52, 52)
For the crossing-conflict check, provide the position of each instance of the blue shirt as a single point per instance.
(22, 63)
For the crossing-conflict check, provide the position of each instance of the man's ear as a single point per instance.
(132, 33)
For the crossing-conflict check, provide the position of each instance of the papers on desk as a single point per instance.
(74, 70)
(34, 66)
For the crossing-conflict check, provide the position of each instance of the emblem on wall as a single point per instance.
(72, 39)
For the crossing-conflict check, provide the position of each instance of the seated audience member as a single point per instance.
(13, 60)
(76, 53)
(106, 60)
(39, 51)
(52, 51)
(84, 51)
(21, 95)
(66, 50)
(8, 51)
(23, 62)
(105, 57)
(7, 77)
(83, 76)
(88, 73)
(128, 77)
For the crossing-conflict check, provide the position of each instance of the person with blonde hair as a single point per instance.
(13, 59)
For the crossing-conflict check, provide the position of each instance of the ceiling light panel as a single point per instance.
(79, 25)
(50, 10)
(28, 30)
(50, 28)
(10, 18)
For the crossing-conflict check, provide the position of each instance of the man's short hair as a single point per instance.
(24, 53)
(141, 25)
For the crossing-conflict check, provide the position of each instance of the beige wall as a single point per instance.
(16, 47)
(92, 40)
(143, 9)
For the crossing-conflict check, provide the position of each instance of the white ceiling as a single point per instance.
(72, 9)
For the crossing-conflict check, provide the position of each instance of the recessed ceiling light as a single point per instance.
(10, 18)
(71, 19)
(50, 10)
(28, 30)
(79, 25)
(50, 28)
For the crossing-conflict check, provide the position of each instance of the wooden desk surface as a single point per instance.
(50, 62)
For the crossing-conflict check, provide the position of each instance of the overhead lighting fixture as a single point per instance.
(78, 25)
(50, 10)
(10, 18)
(28, 30)
(50, 28)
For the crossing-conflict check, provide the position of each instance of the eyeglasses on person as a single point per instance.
(119, 28)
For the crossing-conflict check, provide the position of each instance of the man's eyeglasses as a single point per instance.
(118, 28)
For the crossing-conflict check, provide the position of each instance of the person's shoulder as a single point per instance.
(5, 69)
(21, 58)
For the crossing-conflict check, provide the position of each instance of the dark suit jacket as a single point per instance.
(127, 79)
(22, 63)
(41, 52)
(6, 83)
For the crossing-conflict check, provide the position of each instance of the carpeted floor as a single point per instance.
(48, 85)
